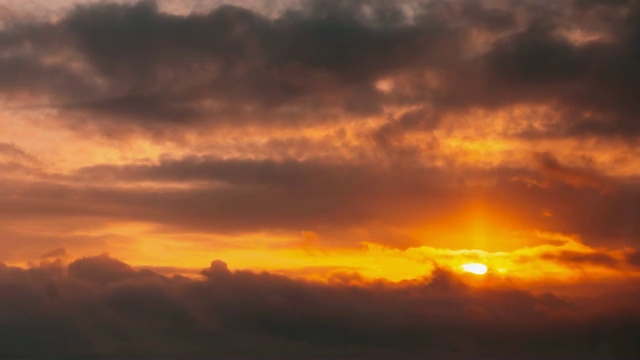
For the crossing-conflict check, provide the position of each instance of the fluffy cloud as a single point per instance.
(99, 306)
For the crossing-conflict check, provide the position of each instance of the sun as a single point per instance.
(475, 268)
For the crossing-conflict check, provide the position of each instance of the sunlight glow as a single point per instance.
(475, 268)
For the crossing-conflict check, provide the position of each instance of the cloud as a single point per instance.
(317, 194)
(146, 65)
(574, 176)
(132, 65)
(579, 258)
(101, 269)
(16, 161)
(12, 151)
(245, 195)
(56, 311)
(333, 199)
(634, 258)
(54, 254)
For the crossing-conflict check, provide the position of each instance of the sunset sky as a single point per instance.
(357, 178)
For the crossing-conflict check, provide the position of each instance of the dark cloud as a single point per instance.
(245, 195)
(580, 258)
(599, 218)
(48, 310)
(589, 84)
(579, 177)
(133, 65)
(594, 3)
(534, 58)
(101, 269)
(241, 196)
(491, 18)
(610, 219)
(158, 66)
(634, 258)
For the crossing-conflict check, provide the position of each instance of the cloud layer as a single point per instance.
(132, 64)
(353, 120)
(101, 306)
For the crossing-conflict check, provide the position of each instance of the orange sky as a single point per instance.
(421, 148)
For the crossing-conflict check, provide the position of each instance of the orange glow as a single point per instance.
(533, 265)
(475, 231)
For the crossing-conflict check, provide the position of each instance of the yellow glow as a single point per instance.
(141, 245)
(475, 268)
(300, 257)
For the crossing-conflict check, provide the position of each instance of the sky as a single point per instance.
(332, 179)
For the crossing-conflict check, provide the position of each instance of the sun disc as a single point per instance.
(475, 268)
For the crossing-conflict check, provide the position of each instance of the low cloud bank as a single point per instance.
(100, 306)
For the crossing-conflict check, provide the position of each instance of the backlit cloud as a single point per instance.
(102, 306)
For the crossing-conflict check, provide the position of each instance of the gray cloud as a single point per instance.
(577, 258)
(241, 196)
(133, 65)
(110, 309)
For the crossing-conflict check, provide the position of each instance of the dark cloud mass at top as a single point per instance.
(132, 64)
